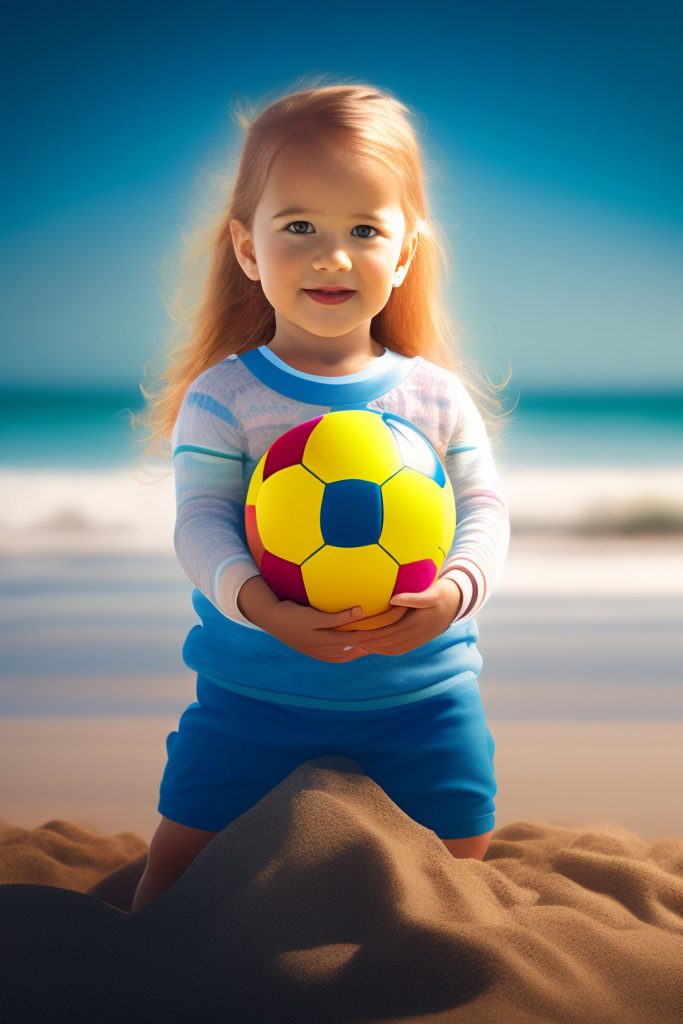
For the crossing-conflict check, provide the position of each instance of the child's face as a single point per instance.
(340, 245)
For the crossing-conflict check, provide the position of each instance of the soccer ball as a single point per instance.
(349, 509)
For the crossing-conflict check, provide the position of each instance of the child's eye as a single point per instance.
(297, 222)
(367, 226)
(308, 232)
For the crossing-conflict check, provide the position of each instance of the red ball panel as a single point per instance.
(288, 450)
(414, 577)
(284, 578)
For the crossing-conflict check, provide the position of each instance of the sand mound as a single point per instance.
(326, 903)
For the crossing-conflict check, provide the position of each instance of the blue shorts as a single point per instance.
(433, 757)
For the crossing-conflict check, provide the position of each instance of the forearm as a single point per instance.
(478, 553)
(482, 534)
(257, 601)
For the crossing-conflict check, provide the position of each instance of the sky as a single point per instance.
(551, 133)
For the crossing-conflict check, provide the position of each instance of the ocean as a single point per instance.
(76, 430)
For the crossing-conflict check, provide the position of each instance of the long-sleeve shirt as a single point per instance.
(230, 415)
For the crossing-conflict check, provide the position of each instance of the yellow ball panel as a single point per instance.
(352, 444)
(338, 578)
(288, 513)
(409, 498)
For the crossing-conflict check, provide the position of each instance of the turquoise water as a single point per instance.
(580, 429)
(74, 430)
(67, 430)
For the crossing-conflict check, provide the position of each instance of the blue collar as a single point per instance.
(352, 390)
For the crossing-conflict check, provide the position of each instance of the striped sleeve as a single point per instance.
(209, 536)
(482, 532)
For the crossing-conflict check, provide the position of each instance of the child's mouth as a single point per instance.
(329, 298)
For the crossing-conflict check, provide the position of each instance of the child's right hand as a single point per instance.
(312, 632)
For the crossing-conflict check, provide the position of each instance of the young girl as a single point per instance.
(328, 195)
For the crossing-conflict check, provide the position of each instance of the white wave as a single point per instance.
(133, 509)
(85, 510)
(595, 499)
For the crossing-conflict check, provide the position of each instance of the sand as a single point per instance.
(326, 903)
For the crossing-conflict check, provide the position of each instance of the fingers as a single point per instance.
(349, 653)
(330, 620)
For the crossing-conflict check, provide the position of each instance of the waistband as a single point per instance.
(369, 704)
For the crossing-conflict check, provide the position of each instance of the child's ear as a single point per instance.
(409, 252)
(244, 249)
(404, 261)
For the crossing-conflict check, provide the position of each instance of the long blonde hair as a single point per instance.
(218, 310)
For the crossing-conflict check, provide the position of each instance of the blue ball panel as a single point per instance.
(352, 513)
(416, 449)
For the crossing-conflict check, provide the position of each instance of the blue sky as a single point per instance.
(554, 127)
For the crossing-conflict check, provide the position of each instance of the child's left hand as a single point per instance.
(429, 613)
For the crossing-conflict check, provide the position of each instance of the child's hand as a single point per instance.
(313, 632)
(429, 614)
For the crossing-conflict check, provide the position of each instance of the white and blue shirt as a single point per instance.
(230, 415)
